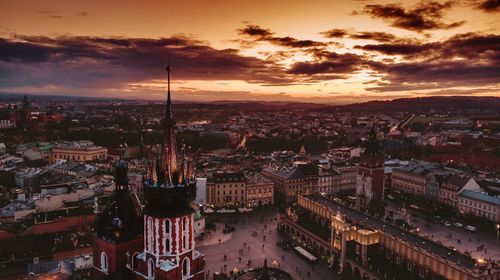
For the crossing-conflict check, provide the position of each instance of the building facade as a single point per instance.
(363, 247)
(348, 173)
(226, 189)
(259, 191)
(292, 181)
(479, 204)
(78, 151)
(454, 184)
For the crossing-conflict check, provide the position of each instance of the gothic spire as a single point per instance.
(168, 112)
(169, 146)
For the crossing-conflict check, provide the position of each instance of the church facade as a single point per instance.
(157, 243)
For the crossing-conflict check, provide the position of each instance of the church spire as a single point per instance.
(168, 112)
(169, 146)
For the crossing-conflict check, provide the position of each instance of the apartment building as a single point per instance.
(292, 181)
(226, 189)
(259, 191)
(479, 204)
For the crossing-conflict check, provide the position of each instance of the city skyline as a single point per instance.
(324, 52)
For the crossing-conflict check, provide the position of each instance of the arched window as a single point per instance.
(184, 233)
(151, 269)
(166, 235)
(185, 268)
(133, 263)
(104, 262)
(150, 234)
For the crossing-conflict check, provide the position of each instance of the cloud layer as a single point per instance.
(424, 16)
(372, 60)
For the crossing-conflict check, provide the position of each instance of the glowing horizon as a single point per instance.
(343, 52)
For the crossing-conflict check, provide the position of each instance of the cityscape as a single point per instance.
(227, 141)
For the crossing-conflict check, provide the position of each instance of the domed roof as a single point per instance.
(119, 222)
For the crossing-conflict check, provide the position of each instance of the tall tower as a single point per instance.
(169, 245)
(169, 146)
(117, 232)
(370, 177)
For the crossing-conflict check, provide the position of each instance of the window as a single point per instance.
(151, 269)
(150, 234)
(133, 262)
(167, 235)
(184, 233)
(104, 262)
(185, 268)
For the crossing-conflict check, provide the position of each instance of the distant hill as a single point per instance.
(443, 104)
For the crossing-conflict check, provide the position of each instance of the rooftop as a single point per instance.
(417, 241)
(480, 196)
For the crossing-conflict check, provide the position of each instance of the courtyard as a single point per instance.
(254, 240)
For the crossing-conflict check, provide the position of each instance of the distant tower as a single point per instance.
(169, 246)
(302, 151)
(169, 146)
(370, 177)
(117, 231)
(24, 114)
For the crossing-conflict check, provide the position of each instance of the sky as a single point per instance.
(322, 51)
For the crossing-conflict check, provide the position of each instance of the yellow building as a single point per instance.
(226, 189)
(373, 249)
(78, 151)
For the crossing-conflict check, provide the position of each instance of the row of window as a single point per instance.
(73, 157)
(479, 205)
(226, 199)
(166, 235)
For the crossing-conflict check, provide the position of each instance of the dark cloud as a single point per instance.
(489, 6)
(255, 30)
(265, 35)
(344, 33)
(471, 46)
(335, 33)
(426, 15)
(412, 76)
(396, 48)
(328, 66)
(462, 60)
(466, 60)
(97, 61)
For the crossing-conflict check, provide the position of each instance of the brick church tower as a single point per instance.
(117, 233)
(169, 246)
(370, 177)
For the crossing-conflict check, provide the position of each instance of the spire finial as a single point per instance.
(168, 115)
(169, 68)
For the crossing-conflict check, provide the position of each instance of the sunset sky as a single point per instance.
(314, 51)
